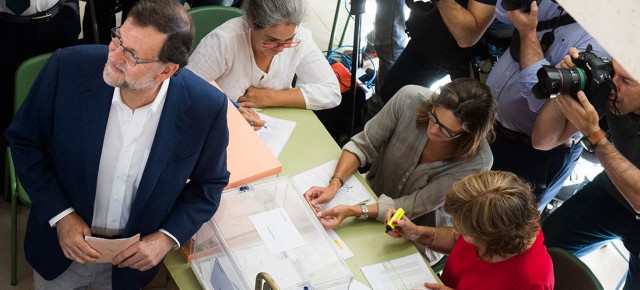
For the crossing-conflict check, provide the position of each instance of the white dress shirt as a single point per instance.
(125, 149)
(225, 55)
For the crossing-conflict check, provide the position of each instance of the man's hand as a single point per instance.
(146, 253)
(255, 97)
(581, 114)
(436, 286)
(71, 231)
(252, 118)
(333, 217)
(525, 22)
(567, 61)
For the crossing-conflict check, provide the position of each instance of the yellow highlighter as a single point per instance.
(396, 216)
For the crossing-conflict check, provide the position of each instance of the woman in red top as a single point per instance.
(495, 241)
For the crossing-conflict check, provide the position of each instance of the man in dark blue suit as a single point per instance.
(117, 141)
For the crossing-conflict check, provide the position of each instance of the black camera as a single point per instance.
(523, 5)
(592, 74)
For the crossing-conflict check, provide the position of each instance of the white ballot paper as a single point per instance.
(343, 251)
(277, 230)
(403, 273)
(352, 192)
(276, 134)
(357, 285)
(110, 248)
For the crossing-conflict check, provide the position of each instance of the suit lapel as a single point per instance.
(171, 126)
(96, 103)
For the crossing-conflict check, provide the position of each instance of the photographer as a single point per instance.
(608, 207)
(444, 36)
(545, 35)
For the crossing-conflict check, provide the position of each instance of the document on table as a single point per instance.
(110, 248)
(352, 192)
(357, 285)
(276, 134)
(402, 273)
(277, 230)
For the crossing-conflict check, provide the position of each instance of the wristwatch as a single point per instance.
(589, 143)
(365, 212)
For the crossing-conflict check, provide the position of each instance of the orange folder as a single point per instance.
(248, 158)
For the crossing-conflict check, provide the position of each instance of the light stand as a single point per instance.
(357, 9)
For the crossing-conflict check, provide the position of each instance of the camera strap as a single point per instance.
(555, 22)
(547, 39)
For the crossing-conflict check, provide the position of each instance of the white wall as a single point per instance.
(616, 26)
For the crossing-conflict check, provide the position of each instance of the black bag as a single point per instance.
(337, 120)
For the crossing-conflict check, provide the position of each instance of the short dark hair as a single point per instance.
(170, 18)
(472, 103)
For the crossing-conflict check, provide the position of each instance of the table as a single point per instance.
(310, 146)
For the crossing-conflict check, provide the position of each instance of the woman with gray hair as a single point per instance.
(254, 59)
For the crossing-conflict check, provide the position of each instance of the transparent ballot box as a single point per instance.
(267, 227)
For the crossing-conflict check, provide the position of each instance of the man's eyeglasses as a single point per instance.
(275, 44)
(128, 54)
(444, 130)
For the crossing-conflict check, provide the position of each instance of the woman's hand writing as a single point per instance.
(252, 118)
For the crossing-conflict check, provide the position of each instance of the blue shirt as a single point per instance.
(517, 106)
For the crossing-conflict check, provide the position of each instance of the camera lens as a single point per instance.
(553, 81)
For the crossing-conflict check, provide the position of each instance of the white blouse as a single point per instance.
(225, 55)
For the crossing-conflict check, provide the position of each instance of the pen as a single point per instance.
(244, 111)
(398, 215)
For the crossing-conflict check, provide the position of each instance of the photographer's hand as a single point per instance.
(580, 113)
(563, 116)
(567, 61)
(526, 25)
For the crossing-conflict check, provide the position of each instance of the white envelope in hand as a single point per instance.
(110, 248)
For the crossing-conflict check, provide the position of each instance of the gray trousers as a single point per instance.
(94, 276)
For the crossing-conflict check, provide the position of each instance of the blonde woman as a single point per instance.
(495, 241)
